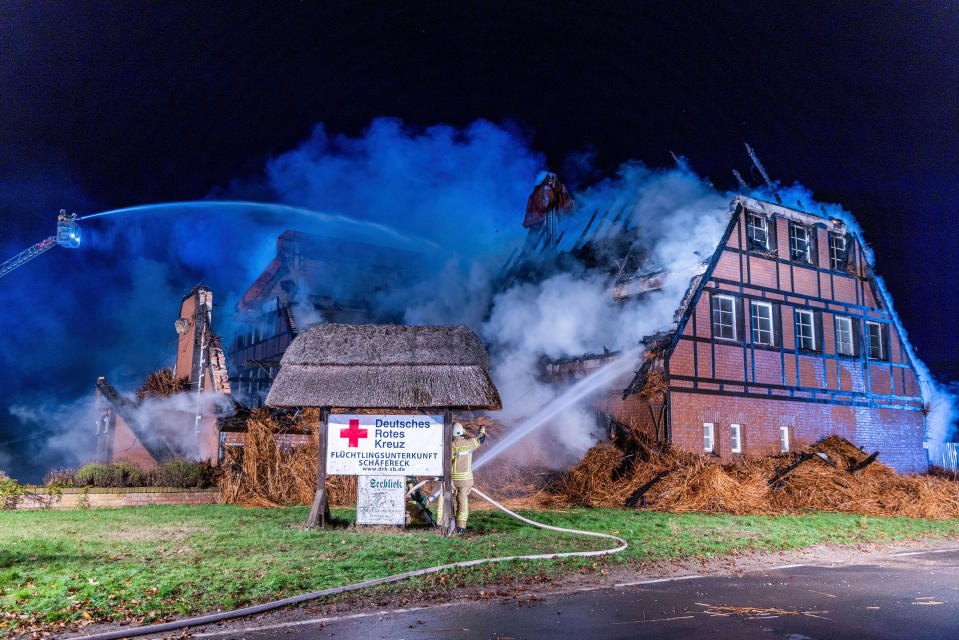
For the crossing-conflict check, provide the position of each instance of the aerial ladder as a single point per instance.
(68, 235)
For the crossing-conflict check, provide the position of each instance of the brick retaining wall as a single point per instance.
(108, 498)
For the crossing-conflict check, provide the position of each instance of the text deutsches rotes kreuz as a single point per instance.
(388, 445)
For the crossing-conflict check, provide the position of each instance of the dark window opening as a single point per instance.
(800, 244)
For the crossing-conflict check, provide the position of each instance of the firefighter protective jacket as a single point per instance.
(463, 457)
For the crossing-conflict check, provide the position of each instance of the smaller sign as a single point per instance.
(380, 500)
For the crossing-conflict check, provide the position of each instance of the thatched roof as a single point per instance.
(385, 366)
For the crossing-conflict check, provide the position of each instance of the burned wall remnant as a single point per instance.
(147, 431)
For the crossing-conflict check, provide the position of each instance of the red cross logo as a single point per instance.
(354, 433)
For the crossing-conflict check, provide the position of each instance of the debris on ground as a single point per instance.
(831, 475)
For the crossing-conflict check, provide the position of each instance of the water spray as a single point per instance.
(576, 393)
(270, 207)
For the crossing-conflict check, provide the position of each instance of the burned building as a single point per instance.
(783, 338)
(136, 432)
(311, 279)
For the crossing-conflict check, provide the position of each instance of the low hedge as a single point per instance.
(179, 474)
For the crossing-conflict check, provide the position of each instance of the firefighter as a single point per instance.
(416, 511)
(463, 471)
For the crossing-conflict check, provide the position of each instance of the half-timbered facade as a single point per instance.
(783, 339)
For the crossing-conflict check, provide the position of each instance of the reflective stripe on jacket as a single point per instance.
(463, 457)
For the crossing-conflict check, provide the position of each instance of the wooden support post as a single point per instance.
(320, 511)
(448, 507)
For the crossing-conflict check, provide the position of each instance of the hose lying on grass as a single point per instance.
(276, 604)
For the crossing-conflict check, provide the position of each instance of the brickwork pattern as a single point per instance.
(99, 498)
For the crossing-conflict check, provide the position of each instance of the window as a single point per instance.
(734, 438)
(844, 340)
(724, 318)
(762, 321)
(784, 439)
(805, 330)
(800, 247)
(708, 442)
(838, 254)
(877, 341)
(757, 232)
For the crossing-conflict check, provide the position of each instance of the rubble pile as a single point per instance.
(831, 475)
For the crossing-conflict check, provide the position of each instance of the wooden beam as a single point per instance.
(320, 510)
(448, 507)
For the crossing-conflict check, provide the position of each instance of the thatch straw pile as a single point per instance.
(668, 480)
(162, 383)
(262, 474)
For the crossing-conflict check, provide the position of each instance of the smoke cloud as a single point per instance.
(680, 218)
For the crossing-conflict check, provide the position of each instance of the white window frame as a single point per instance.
(753, 305)
(794, 241)
(784, 439)
(732, 313)
(834, 251)
(800, 334)
(709, 437)
(840, 321)
(882, 344)
(736, 438)
(762, 227)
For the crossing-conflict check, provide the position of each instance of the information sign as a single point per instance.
(409, 445)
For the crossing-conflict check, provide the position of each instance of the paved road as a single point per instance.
(910, 596)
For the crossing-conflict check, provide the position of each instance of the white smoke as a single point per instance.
(69, 429)
(681, 220)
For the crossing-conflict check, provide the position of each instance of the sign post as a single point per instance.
(447, 524)
(320, 511)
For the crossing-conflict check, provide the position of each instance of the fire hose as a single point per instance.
(276, 604)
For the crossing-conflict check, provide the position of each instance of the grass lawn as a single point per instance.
(148, 563)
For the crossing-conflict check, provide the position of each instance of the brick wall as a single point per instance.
(107, 498)
(896, 434)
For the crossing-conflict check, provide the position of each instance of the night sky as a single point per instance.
(104, 105)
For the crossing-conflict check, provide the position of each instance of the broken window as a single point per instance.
(838, 252)
(877, 341)
(806, 330)
(724, 318)
(734, 438)
(784, 439)
(708, 442)
(762, 322)
(845, 344)
(757, 232)
(800, 243)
